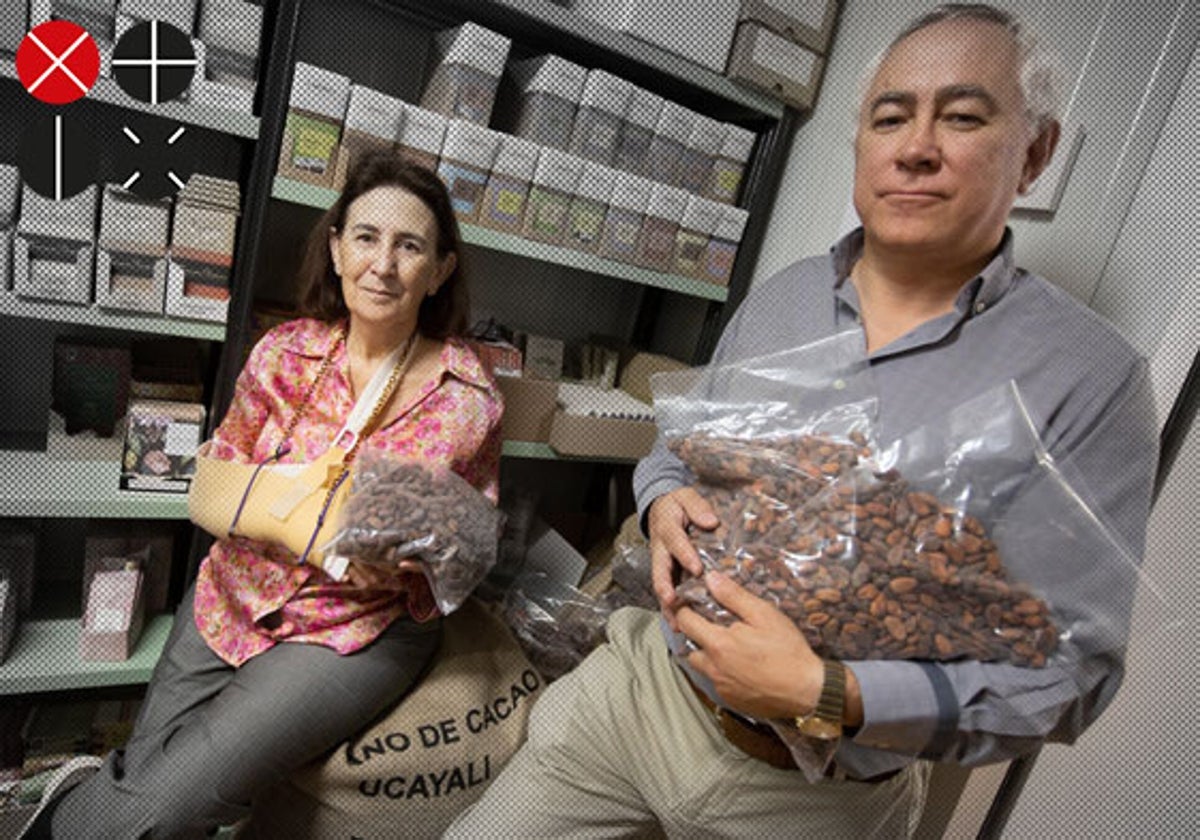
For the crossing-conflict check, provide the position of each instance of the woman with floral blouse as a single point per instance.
(271, 662)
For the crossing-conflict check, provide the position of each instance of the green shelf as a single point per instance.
(45, 657)
(546, 452)
(298, 192)
(94, 316)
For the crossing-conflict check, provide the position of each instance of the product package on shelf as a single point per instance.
(13, 26)
(422, 134)
(179, 13)
(589, 205)
(10, 194)
(807, 22)
(554, 182)
(161, 440)
(90, 385)
(108, 546)
(670, 138)
(637, 131)
(18, 555)
(466, 161)
(543, 357)
(316, 108)
(470, 60)
(96, 16)
(8, 614)
(699, 33)
(372, 122)
(625, 219)
(529, 406)
(507, 190)
(53, 249)
(113, 619)
(783, 69)
(701, 149)
(664, 212)
(230, 30)
(131, 265)
(168, 368)
(602, 108)
(725, 179)
(696, 228)
(722, 248)
(202, 240)
(547, 93)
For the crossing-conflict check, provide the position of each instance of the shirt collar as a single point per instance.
(980, 293)
(461, 362)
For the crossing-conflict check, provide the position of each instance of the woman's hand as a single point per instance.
(373, 576)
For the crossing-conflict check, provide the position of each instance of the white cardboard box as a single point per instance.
(699, 32)
(807, 22)
(770, 62)
(68, 281)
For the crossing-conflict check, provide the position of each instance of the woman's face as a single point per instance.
(386, 256)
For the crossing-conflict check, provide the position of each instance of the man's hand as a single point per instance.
(761, 665)
(670, 514)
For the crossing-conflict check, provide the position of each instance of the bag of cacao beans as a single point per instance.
(557, 624)
(400, 509)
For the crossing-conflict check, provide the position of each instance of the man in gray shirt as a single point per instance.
(957, 120)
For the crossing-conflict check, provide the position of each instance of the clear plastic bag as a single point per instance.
(400, 509)
(631, 584)
(556, 624)
(961, 540)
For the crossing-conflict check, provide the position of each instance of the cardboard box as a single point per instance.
(107, 545)
(470, 60)
(529, 406)
(52, 269)
(699, 33)
(601, 437)
(372, 122)
(112, 622)
(543, 357)
(313, 128)
(772, 63)
(14, 23)
(807, 22)
(161, 440)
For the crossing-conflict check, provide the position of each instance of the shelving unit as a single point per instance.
(44, 658)
(93, 316)
(108, 91)
(297, 192)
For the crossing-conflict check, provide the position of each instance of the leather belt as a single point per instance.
(759, 741)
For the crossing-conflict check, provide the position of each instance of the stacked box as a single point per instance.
(806, 22)
(725, 178)
(670, 138)
(554, 182)
(14, 23)
(202, 240)
(602, 108)
(230, 31)
(422, 134)
(10, 194)
(589, 206)
(696, 228)
(113, 619)
(316, 109)
(98, 17)
(786, 70)
(722, 248)
(625, 218)
(108, 545)
(696, 160)
(466, 162)
(507, 191)
(131, 265)
(161, 439)
(470, 60)
(372, 122)
(637, 132)
(699, 32)
(660, 231)
(53, 248)
(548, 89)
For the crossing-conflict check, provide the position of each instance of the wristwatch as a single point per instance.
(825, 721)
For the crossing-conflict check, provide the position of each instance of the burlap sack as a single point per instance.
(411, 773)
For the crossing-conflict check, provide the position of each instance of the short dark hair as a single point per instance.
(441, 315)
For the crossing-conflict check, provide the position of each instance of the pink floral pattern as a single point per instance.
(453, 421)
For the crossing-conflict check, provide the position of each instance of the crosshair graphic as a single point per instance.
(57, 160)
(154, 62)
(58, 62)
(156, 160)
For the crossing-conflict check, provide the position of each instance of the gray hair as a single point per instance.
(1038, 68)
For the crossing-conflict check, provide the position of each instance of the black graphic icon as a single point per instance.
(56, 158)
(154, 62)
(157, 156)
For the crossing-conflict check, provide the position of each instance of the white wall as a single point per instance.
(1124, 241)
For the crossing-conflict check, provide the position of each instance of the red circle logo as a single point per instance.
(58, 62)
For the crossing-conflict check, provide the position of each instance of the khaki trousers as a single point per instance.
(621, 747)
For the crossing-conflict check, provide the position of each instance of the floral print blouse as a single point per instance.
(251, 594)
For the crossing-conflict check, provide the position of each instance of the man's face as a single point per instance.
(942, 143)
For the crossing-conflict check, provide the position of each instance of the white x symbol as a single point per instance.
(58, 62)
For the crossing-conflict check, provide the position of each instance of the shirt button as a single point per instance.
(979, 307)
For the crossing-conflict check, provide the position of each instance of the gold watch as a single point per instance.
(825, 721)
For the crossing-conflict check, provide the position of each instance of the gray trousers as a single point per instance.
(209, 736)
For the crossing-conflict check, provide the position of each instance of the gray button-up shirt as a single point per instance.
(1089, 394)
